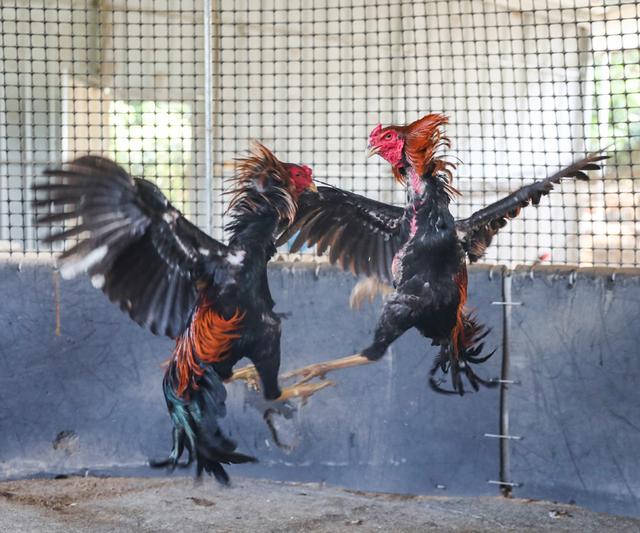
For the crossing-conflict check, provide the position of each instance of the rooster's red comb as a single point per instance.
(375, 132)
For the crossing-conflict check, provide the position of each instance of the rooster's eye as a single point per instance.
(388, 136)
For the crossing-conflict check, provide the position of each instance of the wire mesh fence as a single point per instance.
(174, 91)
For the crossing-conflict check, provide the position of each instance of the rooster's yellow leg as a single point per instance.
(307, 373)
(303, 390)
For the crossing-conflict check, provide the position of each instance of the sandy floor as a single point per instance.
(179, 504)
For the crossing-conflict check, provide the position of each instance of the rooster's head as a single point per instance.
(414, 146)
(263, 180)
(301, 178)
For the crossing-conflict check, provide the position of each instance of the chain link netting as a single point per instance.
(174, 91)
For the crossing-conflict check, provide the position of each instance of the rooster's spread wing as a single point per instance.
(136, 246)
(477, 231)
(362, 235)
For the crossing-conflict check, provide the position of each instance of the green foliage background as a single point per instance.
(154, 140)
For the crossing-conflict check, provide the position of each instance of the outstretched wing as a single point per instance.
(477, 231)
(136, 246)
(362, 235)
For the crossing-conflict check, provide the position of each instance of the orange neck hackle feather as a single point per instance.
(466, 331)
(259, 172)
(207, 340)
(458, 337)
(424, 139)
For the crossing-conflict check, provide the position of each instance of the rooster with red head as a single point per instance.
(420, 249)
(410, 149)
(172, 278)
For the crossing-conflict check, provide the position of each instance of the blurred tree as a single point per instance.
(616, 116)
(154, 140)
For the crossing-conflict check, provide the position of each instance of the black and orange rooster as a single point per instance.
(177, 281)
(420, 249)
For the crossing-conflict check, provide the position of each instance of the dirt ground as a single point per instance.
(177, 504)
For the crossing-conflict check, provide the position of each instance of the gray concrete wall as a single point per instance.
(572, 347)
(575, 348)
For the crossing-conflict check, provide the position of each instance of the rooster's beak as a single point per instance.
(372, 150)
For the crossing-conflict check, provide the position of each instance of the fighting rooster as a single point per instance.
(419, 249)
(177, 281)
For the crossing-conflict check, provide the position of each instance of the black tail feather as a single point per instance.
(173, 460)
(470, 348)
(195, 419)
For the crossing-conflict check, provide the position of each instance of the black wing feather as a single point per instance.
(356, 230)
(478, 230)
(137, 247)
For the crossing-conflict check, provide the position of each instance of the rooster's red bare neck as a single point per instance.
(415, 183)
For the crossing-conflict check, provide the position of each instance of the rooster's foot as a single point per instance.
(458, 368)
(248, 374)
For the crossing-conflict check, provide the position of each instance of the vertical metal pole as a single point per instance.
(94, 50)
(208, 116)
(4, 168)
(505, 467)
(27, 156)
(66, 93)
(399, 74)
